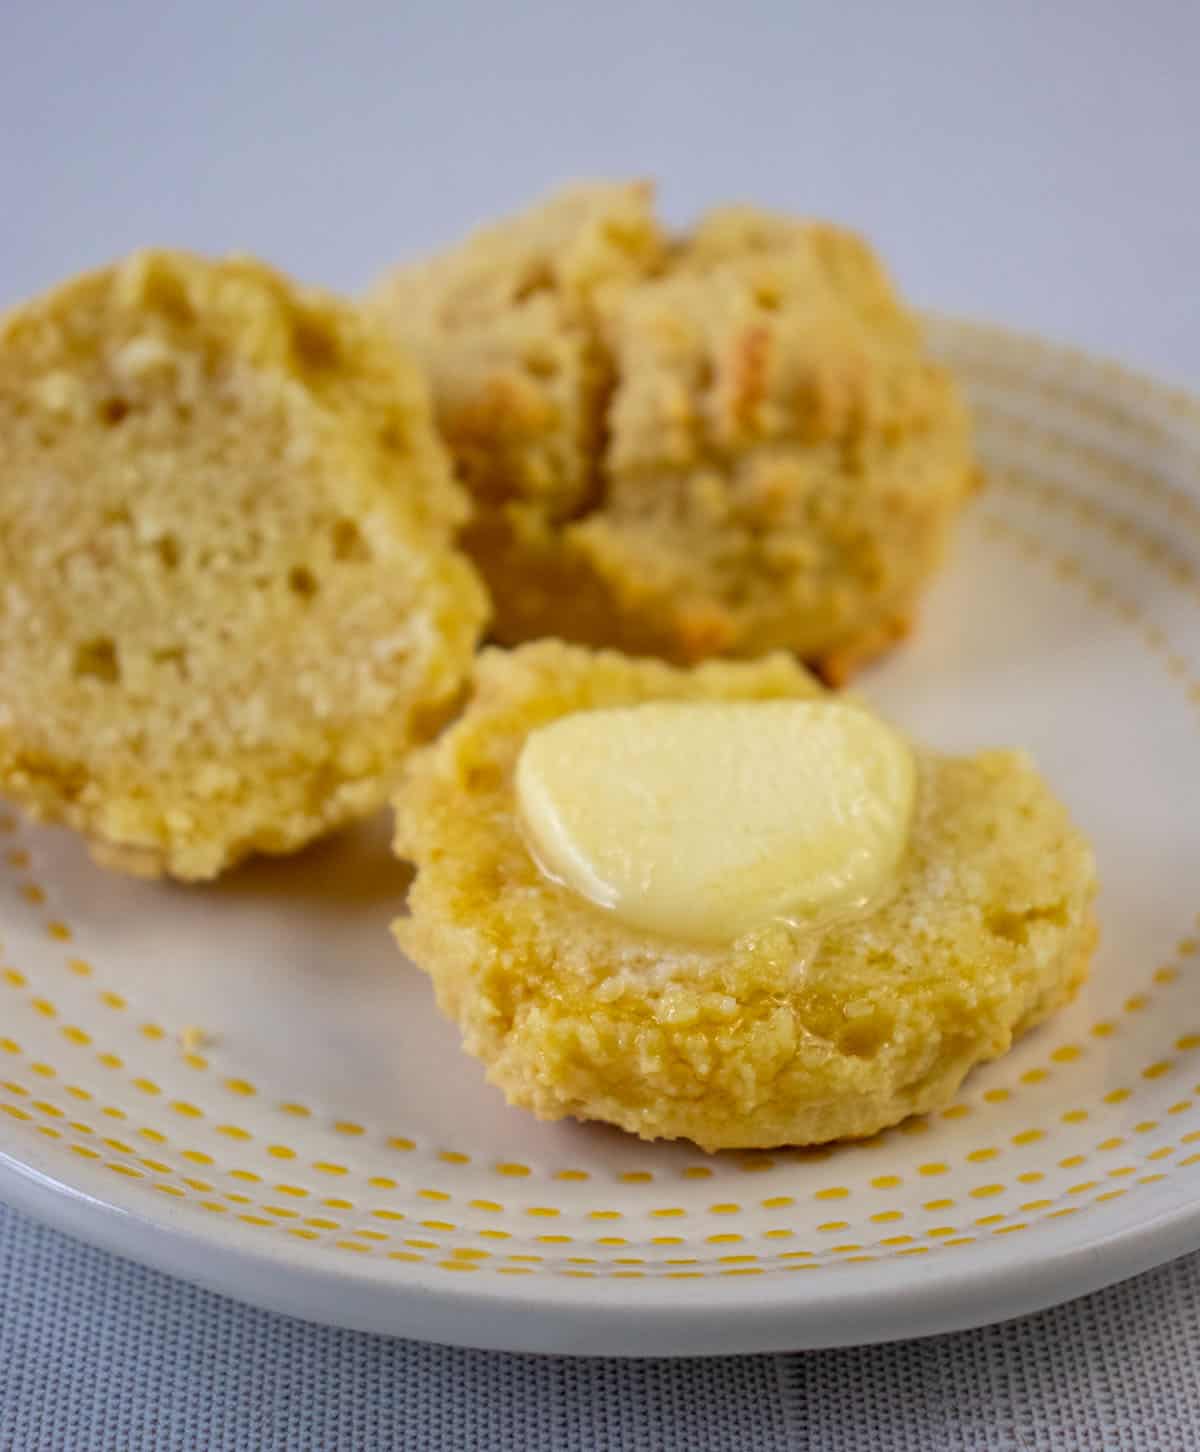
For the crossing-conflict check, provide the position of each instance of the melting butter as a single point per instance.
(703, 821)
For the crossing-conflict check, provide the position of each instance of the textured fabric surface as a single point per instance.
(98, 1354)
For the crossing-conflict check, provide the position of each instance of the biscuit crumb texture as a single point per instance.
(720, 443)
(782, 1038)
(229, 601)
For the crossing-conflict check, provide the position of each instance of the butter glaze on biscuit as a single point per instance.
(778, 1038)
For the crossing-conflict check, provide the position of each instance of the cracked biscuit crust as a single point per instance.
(718, 444)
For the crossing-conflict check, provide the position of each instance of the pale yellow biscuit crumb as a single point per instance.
(229, 601)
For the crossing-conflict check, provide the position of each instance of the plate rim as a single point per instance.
(854, 1307)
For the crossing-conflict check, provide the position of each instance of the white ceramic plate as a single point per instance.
(330, 1152)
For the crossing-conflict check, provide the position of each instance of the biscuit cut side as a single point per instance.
(230, 601)
(780, 1038)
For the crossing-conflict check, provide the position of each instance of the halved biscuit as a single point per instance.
(783, 1037)
(229, 598)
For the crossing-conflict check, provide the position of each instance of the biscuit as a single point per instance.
(724, 443)
(229, 598)
(776, 1039)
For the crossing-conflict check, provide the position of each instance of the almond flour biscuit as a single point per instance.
(723, 443)
(785, 1036)
(229, 598)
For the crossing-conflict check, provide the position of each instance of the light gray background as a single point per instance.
(1035, 163)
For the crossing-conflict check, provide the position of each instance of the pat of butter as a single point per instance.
(703, 821)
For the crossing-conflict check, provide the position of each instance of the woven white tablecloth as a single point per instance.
(98, 1355)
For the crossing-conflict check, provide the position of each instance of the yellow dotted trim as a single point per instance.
(1184, 1044)
(243, 1087)
(1075, 1190)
